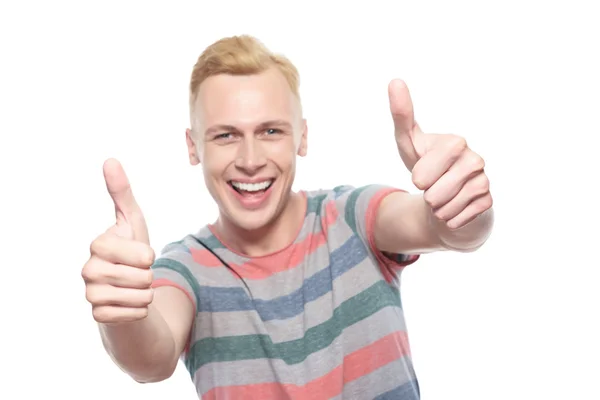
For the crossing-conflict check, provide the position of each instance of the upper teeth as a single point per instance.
(252, 187)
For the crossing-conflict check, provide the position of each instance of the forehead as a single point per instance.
(244, 100)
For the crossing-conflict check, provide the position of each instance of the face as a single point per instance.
(249, 130)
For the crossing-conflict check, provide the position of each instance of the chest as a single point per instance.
(316, 300)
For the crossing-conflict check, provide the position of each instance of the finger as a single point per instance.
(98, 271)
(474, 188)
(126, 207)
(437, 161)
(466, 167)
(117, 314)
(121, 250)
(401, 107)
(119, 188)
(405, 127)
(106, 295)
(472, 211)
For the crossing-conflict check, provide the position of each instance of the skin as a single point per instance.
(454, 210)
(235, 138)
(145, 330)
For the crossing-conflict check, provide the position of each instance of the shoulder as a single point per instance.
(348, 197)
(190, 244)
(344, 204)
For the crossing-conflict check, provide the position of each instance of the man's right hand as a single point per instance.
(117, 275)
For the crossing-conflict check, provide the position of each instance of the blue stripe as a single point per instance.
(406, 391)
(347, 256)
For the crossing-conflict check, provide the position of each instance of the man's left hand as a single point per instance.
(442, 165)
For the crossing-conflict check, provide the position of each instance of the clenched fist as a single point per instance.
(117, 275)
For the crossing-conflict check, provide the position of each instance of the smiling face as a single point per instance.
(248, 131)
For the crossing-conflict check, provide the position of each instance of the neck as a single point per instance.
(275, 236)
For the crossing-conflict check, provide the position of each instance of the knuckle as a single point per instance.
(487, 203)
(483, 184)
(91, 295)
(95, 246)
(477, 162)
(148, 297)
(101, 314)
(87, 272)
(142, 313)
(418, 181)
(93, 272)
(440, 215)
(100, 245)
(148, 257)
(148, 278)
(89, 276)
(429, 198)
(457, 143)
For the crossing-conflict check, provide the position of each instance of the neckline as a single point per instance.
(213, 231)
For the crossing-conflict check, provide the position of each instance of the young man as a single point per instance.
(287, 295)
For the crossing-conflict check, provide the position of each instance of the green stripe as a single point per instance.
(314, 204)
(212, 242)
(181, 269)
(350, 210)
(247, 347)
(338, 190)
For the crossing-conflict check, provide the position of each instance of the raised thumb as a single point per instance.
(130, 220)
(406, 130)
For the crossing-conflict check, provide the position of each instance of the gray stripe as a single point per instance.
(237, 323)
(245, 372)
(380, 381)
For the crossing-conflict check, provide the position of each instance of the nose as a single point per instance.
(251, 157)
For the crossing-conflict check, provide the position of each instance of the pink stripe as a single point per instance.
(388, 267)
(355, 365)
(265, 267)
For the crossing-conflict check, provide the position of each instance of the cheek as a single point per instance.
(213, 164)
(283, 156)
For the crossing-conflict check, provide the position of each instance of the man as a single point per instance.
(288, 294)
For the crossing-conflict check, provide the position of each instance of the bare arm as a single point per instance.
(144, 330)
(149, 349)
(405, 224)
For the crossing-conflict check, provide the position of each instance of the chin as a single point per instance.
(250, 222)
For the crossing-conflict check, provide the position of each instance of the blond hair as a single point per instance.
(239, 55)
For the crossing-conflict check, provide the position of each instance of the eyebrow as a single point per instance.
(262, 125)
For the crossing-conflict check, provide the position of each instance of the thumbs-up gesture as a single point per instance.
(443, 166)
(117, 275)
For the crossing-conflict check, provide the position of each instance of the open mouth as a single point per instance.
(251, 189)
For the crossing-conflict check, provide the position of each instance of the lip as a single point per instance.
(252, 202)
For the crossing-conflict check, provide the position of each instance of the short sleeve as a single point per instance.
(174, 268)
(360, 206)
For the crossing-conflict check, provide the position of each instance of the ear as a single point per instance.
(192, 148)
(303, 145)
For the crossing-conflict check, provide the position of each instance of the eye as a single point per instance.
(272, 131)
(223, 136)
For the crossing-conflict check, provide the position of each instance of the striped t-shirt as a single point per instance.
(319, 319)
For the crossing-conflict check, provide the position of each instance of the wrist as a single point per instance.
(467, 238)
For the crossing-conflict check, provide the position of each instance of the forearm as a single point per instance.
(405, 224)
(144, 349)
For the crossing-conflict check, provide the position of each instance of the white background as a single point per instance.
(84, 81)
